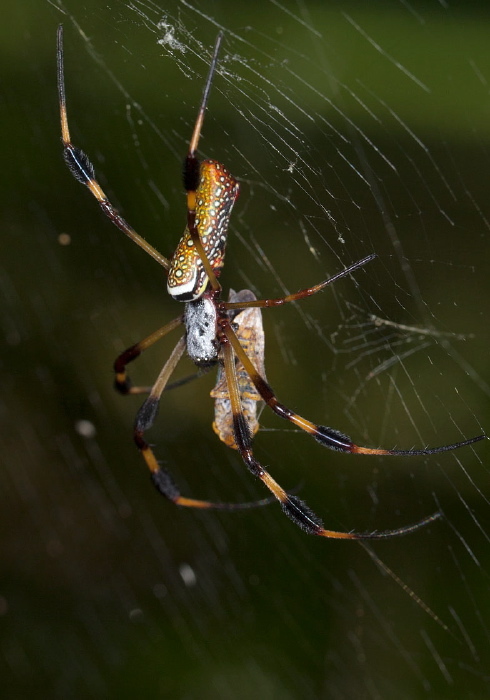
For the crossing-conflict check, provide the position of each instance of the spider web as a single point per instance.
(351, 131)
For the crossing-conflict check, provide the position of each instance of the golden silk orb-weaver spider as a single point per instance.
(217, 332)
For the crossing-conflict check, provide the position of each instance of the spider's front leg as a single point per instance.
(296, 509)
(328, 437)
(145, 418)
(121, 381)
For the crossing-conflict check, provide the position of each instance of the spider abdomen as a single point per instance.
(215, 197)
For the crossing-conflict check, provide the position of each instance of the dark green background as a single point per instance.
(97, 597)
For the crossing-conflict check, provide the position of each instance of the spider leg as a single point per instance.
(328, 437)
(202, 371)
(308, 292)
(296, 509)
(191, 171)
(196, 134)
(122, 382)
(161, 477)
(83, 170)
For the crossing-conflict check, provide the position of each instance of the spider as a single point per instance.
(214, 333)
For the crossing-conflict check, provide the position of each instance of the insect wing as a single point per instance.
(250, 333)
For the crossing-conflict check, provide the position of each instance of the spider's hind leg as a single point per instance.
(82, 169)
(302, 294)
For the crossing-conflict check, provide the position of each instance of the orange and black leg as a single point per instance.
(302, 294)
(333, 439)
(122, 382)
(83, 170)
(161, 477)
(296, 509)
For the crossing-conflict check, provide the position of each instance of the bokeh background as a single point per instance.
(353, 130)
